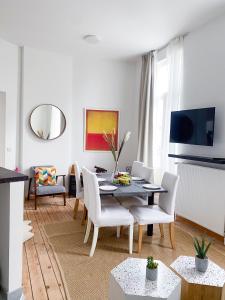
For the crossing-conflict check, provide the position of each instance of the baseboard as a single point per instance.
(200, 227)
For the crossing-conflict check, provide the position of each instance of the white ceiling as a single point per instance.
(128, 27)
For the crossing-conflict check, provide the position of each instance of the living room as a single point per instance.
(137, 71)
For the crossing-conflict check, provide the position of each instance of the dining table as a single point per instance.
(135, 188)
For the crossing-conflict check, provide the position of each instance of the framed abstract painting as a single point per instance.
(98, 121)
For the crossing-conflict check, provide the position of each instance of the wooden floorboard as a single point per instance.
(50, 253)
(26, 283)
(49, 278)
(35, 271)
(41, 276)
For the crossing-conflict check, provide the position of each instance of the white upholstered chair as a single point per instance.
(85, 186)
(82, 196)
(103, 216)
(147, 174)
(137, 168)
(105, 200)
(159, 214)
(79, 191)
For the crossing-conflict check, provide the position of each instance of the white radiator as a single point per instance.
(201, 196)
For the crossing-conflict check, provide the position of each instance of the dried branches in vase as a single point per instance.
(110, 140)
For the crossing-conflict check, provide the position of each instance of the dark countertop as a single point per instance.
(11, 176)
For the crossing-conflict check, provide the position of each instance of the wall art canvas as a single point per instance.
(97, 122)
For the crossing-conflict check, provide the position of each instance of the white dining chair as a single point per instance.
(147, 174)
(137, 168)
(105, 199)
(104, 216)
(79, 192)
(159, 214)
(85, 186)
(80, 195)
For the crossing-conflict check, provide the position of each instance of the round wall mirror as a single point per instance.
(47, 122)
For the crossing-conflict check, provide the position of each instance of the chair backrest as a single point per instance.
(32, 169)
(167, 200)
(147, 174)
(85, 183)
(136, 168)
(94, 201)
(78, 182)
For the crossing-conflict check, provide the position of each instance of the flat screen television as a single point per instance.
(194, 126)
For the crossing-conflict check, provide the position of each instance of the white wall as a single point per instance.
(105, 85)
(9, 85)
(2, 128)
(204, 80)
(52, 78)
(47, 79)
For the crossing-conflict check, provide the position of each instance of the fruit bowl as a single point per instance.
(122, 179)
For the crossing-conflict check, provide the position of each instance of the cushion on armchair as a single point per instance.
(45, 176)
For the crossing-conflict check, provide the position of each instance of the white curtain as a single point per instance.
(174, 57)
(145, 130)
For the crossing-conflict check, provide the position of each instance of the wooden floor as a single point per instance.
(41, 276)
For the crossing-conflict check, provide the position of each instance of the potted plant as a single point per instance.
(201, 248)
(110, 140)
(151, 269)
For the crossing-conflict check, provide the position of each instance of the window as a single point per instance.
(159, 109)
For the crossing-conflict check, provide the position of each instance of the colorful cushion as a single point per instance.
(45, 176)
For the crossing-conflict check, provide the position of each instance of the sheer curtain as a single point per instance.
(172, 78)
(145, 131)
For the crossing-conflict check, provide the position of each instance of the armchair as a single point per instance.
(45, 183)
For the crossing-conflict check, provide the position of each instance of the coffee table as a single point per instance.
(128, 281)
(197, 285)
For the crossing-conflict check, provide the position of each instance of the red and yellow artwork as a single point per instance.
(98, 122)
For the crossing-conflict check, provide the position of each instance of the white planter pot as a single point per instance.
(152, 274)
(201, 264)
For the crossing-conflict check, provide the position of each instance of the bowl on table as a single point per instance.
(122, 179)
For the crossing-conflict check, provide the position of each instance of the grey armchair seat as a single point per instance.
(45, 190)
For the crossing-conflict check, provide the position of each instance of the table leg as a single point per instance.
(150, 226)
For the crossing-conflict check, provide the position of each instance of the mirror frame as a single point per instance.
(35, 132)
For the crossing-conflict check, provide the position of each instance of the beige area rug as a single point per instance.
(88, 278)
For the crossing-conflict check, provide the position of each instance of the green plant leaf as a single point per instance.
(197, 248)
(207, 248)
(201, 247)
(151, 264)
(121, 148)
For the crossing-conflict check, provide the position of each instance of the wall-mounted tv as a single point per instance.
(194, 126)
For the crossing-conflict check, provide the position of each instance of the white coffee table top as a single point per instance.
(130, 275)
(185, 266)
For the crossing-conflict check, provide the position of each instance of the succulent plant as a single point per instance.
(151, 264)
(201, 247)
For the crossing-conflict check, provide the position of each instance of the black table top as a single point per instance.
(7, 176)
(134, 189)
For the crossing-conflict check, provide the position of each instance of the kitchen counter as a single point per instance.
(7, 176)
(11, 237)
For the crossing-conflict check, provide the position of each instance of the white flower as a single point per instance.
(127, 136)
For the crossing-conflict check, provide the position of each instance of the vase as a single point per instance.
(152, 274)
(201, 264)
(115, 171)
